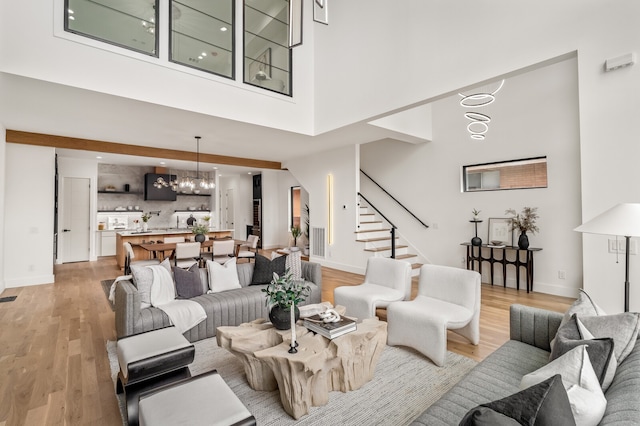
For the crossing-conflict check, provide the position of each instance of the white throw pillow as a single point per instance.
(223, 277)
(143, 280)
(583, 389)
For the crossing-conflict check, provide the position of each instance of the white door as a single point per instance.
(74, 232)
(228, 215)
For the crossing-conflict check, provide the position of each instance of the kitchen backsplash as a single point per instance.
(123, 206)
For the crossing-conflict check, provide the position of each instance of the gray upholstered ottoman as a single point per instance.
(201, 400)
(148, 360)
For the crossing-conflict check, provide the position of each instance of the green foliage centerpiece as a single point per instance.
(524, 221)
(200, 230)
(283, 294)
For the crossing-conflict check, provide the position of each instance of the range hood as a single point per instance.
(163, 193)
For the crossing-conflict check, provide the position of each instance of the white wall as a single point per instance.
(80, 62)
(427, 178)
(311, 172)
(3, 146)
(28, 224)
(242, 186)
(78, 168)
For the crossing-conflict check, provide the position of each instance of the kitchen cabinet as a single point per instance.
(108, 243)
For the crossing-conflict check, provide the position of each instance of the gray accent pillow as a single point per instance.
(623, 328)
(143, 279)
(545, 403)
(264, 269)
(188, 282)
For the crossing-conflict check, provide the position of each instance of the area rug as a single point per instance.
(405, 383)
(106, 287)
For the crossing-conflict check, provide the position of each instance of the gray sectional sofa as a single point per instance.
(231, 307)
(499, 375)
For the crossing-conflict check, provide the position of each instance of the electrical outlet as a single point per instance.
(562, 275)
(613, 246)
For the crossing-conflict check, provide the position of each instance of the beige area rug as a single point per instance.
(404, 385)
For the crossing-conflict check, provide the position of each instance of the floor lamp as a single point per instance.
(621, 220)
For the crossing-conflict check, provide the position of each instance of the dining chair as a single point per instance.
(222, 250)
(245, 249)
(186, 254)
(129, 255)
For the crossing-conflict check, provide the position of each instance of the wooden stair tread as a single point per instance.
(416, 265)
(405, 256)
(367, 214)
(373, 230)
(373, 240)
(377, 249)
(372, 221)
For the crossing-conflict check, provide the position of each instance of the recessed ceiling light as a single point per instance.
(99, 158)
(200, 57)
(215, 168)
(70, 11)
(72, 18)
(248, 173)
(162, 163)
(223, 29)
(203, 54)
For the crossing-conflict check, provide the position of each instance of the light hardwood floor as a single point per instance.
(53, 362)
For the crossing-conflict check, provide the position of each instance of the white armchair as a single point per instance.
(448, 299)
(386, 280)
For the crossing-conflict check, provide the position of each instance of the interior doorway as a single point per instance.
(74, 234)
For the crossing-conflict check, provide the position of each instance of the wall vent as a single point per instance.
(318, 238)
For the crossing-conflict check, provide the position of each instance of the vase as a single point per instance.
(523, 241)
(145, 226)
(281, 318)
(200, 238)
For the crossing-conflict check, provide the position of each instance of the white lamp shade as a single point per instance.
(623, 220)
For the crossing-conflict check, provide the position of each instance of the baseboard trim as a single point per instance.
(29, 281)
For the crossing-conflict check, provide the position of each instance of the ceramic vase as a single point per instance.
(281, 318)
(523, 241)
(145, 226)
(200, 238)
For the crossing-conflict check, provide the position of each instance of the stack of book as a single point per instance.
(330, 330)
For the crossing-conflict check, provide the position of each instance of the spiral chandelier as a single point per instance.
(479, 122)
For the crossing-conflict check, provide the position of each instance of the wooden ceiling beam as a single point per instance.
(42, 139)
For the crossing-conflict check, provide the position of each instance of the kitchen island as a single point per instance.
(137, 237)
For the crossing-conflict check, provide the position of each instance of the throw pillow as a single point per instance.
(623, 328)
(223, 277)
(143, 279)
(264, 269)
(546, 403)
(583, 389)
(293, 263)
(583, 305)
(188, 282)
(601, 351)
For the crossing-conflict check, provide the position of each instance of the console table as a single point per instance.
(527, 263)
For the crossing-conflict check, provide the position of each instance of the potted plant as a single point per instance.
(295, 233)
(200, 230)
(145, 218)
(283, 293)
(524, 221)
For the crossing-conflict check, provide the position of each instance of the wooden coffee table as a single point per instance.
(320, 366)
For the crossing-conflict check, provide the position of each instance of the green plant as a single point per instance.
(206, 218)
(295, 233)
(475, 213)
(146, 217)
(200, 229)
(284, 291)
(524, 221)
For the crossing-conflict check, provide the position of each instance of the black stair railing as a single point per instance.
(393, 227)
(394, 199)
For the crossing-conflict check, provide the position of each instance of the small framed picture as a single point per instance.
(500, 232)
(321, 11)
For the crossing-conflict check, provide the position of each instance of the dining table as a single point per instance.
(161, 250)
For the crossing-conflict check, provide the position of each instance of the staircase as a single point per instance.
(377, 240)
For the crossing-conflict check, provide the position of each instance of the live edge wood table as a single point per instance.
(518, 262)
(320, 366)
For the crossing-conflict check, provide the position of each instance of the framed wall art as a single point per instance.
(500, 232)
(321, 11)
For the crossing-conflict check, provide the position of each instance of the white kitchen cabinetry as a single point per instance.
(108, 243)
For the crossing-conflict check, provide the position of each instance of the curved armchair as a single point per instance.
(386, 280)
(448, 299)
